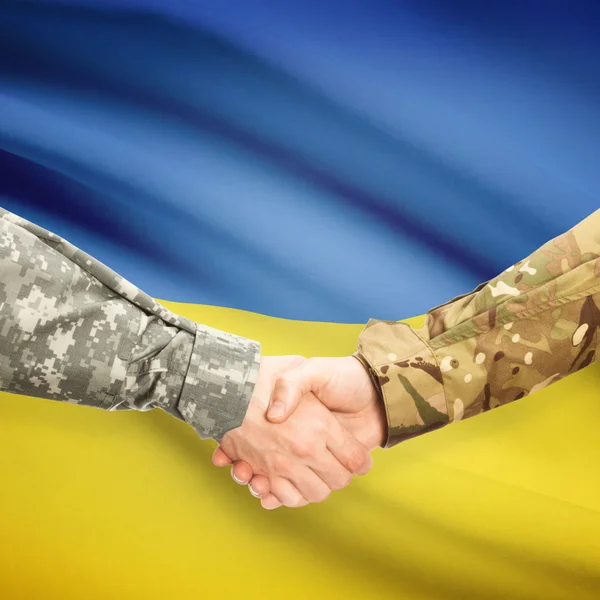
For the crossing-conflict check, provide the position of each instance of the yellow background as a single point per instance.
(128, 506)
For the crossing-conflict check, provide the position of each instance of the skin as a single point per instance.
(303, 454)
(344, 389)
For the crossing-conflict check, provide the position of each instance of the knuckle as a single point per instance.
(368, 463)
(344, 480)
(283, 382)
(319, 430)
(280, 463)
(304, 448)
(357, 462)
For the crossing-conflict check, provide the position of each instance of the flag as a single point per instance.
(286, 171)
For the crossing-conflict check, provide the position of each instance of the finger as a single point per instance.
(241, 472)
(220, 459)
(309, 484)
(285, 491)
(270, 502)
(259, 486)
(348, 450)
(329, 469)
(290, 386)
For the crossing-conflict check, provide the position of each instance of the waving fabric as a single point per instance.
(322, 163)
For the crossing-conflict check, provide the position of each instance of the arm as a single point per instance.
(75, 331)
(531, 326)
(525, 329)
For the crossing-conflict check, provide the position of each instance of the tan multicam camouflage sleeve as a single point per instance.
(74, 330)
(531, 326)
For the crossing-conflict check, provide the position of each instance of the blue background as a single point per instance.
(307, 159)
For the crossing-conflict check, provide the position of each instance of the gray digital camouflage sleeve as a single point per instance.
(71, 329)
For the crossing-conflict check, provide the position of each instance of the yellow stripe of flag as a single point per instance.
(118, 506)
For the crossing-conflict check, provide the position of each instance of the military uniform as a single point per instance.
(73, 330)
(531, 326)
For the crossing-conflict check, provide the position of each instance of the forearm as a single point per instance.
(525, 329)
(75, 331)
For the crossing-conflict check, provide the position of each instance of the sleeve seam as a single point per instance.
(519, 315)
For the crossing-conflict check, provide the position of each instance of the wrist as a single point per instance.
(375, 413)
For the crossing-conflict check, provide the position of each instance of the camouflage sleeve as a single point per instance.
(531, 326)
(73, 330)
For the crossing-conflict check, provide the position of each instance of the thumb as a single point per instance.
(220, 459)
(291, 386)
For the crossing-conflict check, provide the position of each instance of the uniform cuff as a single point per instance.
(219, 382)
(408, 376)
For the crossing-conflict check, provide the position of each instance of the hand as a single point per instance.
(343, 386)
(304, 458)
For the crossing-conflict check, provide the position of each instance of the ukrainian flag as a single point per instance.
(321, 163)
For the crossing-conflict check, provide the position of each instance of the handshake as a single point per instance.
(310, 427)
